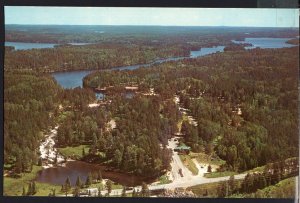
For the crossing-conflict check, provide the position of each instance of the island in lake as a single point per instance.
(160, 111)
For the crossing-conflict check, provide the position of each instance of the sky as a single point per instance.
(152, 16)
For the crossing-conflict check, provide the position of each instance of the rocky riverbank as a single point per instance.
(49, 154)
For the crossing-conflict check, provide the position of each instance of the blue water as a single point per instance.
(265, 43)
(206, 51)
(70, 79)
(28, 45)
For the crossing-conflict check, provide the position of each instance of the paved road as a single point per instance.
(177, 164)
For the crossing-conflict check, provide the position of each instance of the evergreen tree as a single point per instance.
(29, 190)
(55, 158)
(40, 162)
(124, 192)
(133, 193)
(67, 186)
(33, 188)
(209, 169)
(145, 190)
(24, 192)
(83, 152)
(222, 189)
(99, 192)
(231, 184)
(89, 180)
(76, 192)
(53, 192)
(108, 186)
(78, 182)
(18, 165)
(99, 176)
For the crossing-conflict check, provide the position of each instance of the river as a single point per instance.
(72, 79)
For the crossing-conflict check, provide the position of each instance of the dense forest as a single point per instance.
(243, 103)
(29, 100)
(245, 107)
(61, 34)
(96, 56)
(117, 46)
(134, 146)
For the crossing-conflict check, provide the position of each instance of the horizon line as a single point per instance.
(154, 25)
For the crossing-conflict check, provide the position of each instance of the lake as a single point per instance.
(265, 43)
(73, 169)
(28, 45)
(70, 79)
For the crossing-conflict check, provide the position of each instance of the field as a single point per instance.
(74, 152)
(219, 174)
(14, 186)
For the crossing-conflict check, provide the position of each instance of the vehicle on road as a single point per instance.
(180, 172)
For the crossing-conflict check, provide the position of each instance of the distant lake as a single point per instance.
(28, 45)
(265, 43)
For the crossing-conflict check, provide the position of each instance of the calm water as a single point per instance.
(27, 45)
(206, 51)
(73, 169)
(72, 79)
(266, 43)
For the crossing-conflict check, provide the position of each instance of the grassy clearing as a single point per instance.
(63, 115)
(207, 190)
(187, 161)
(206, 159)
(257, 169)
(14, 186)
(219, 174)
(75, 152)
(164, 180)
(43, 189)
